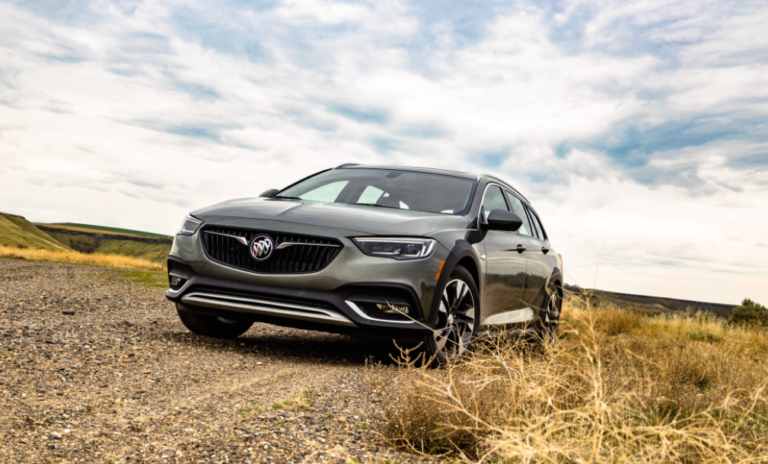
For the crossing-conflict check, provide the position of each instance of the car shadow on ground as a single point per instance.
(296, 345)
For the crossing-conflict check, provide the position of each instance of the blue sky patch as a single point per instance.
(360, 114)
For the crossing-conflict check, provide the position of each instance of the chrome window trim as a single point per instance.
(493, 178)
(482, 201)
(532, 212)
(527, 216)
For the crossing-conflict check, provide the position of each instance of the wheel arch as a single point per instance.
(470, 265)
(463, 255)
(557, 279)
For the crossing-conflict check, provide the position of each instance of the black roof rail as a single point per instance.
(345, 165)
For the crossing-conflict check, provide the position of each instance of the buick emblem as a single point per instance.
(261, 247)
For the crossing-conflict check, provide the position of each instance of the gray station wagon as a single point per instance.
(389, 252)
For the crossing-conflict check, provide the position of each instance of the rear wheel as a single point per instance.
(457, 315)
(213, 326)
(549, 321)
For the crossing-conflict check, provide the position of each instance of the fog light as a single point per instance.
(392, 309)
(176, 282)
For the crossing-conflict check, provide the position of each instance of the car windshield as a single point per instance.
(416, 191)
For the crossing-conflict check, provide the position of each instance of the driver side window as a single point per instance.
(519, 209)
(494, 199)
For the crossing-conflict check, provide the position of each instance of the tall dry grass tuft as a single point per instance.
(75, 257)
(619, 387)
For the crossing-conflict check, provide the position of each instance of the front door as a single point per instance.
(505, 265)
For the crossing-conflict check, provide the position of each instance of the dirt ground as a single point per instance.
(122, 380)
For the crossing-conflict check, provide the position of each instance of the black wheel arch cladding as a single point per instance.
(462, 250)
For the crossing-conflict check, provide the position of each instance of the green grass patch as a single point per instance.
(152, 279)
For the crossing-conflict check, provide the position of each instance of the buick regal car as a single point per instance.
(411, 254)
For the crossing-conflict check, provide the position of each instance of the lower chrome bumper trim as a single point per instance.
(266, 308)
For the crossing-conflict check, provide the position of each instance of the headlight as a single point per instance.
(190, 226)
(396, 248)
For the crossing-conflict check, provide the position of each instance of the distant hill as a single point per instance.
(87, 238)
(16, 231)
(655, 302)
(104, 230)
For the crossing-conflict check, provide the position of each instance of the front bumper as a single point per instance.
(332, 299)
(328, 311)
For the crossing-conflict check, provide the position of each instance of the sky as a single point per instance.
(639, 131)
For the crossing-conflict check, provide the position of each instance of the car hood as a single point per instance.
(368, 220)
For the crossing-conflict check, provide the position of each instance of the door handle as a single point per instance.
(520, 248)
(544, 250)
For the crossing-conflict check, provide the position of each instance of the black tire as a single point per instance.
(458, 317)
(213, 326)
(549, 318)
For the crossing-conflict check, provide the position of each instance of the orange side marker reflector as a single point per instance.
(439, 270)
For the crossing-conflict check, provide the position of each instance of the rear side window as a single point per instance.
(517, 207)
(537, 223)
(494, 199)
(534, 228)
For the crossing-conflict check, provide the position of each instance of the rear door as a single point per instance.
(545, 260)
(505, 266)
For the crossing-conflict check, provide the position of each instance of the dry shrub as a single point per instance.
(619, 387)
(74, 257)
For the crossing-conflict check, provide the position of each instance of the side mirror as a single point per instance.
(269, 193)
(501, 219)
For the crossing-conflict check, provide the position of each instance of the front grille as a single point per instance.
(312, 257)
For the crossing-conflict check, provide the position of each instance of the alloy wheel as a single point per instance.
(551, 320)
(456, 320)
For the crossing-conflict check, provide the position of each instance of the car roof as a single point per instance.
(444, 172)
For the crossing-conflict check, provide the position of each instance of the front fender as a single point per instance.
(464, 247)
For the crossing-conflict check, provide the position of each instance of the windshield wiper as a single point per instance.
(376, 205)
(285, 198)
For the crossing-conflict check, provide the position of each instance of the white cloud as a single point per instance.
(140, 115)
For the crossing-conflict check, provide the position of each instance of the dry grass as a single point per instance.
(620, 387)
(74, 257)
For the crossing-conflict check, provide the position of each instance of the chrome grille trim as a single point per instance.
(290, 244)
(239, 238)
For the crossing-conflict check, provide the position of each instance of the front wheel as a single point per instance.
(456, 324)
(213, 326)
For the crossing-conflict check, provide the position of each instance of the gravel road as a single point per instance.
(122, 381)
